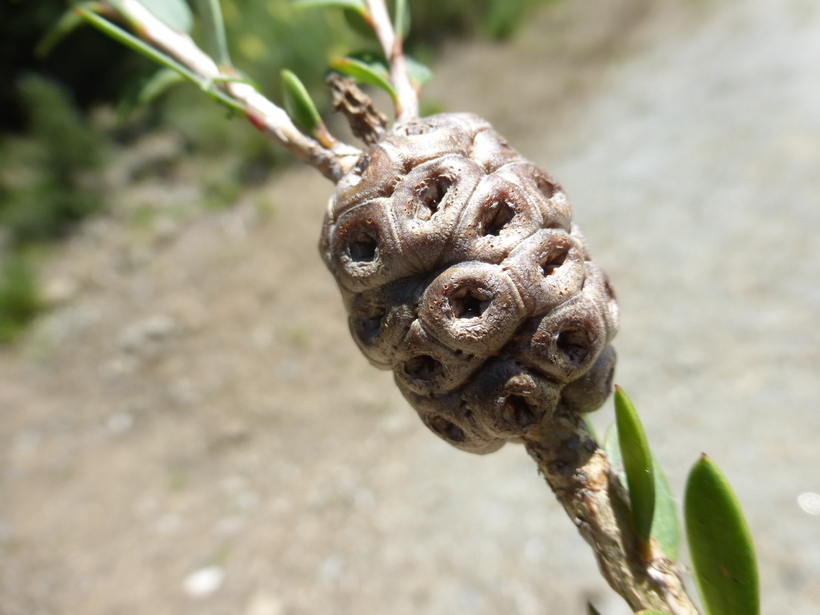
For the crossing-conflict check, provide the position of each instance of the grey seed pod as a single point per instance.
(462, 272)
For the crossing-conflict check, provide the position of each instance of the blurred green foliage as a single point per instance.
(19, 300)
(46, 177)
(47, 184)
(50, 153)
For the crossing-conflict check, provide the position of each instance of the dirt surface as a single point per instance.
(191, 430)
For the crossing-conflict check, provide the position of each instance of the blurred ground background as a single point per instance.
(187, 427)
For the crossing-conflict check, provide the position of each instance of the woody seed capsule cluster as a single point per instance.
(461, 271)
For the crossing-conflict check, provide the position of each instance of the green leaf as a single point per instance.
(720, 544)
(591, 610)
(131, 41)
(371, 74)
(665, 523)
(210, 13)
(359, 6)
(419, 74)
(637, 461)
(175, 14)
(299, 104)
(360, 23)
(652, 613)
(65, 26)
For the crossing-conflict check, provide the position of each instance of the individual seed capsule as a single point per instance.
(565, 343)
(427, 204)
(545, 193)
(496, 219)
(509, 399)
(424, 139)
(450, 419)
(473, 308)
(590, 391)
(365, 250)
(548, 269)
(373, 176)
(491, 151)
(380, 319)
(427, 367)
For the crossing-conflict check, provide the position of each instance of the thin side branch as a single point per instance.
(407, 104)
(269, 118)
(366, 122)
(579, 474)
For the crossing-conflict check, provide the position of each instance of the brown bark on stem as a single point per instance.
(579, 474)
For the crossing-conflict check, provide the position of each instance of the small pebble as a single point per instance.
(204, 582)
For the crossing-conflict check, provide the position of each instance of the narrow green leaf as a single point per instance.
(720, 544)
(652, 613)
(665, 522)
(360, 23)
(299, 104)
(418, 72)
(131, 41)
(216, 42)
(370, 74)
(591, 610)
(638, 464)
(175, 14)
(359, 6)
(65, 26)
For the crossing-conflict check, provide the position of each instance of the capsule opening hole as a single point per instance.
(470, 302)
(496, 218)
(447, 429)
(518, 412)
(363, 245)
(547, 188)
(432, 194)
(574, 345)
(553, 261)
(362, 164)
(423, 367)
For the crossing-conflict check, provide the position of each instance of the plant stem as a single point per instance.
(407, 100)
(269, 118)
(579, 474)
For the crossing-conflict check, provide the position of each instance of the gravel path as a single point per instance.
(192, 431)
